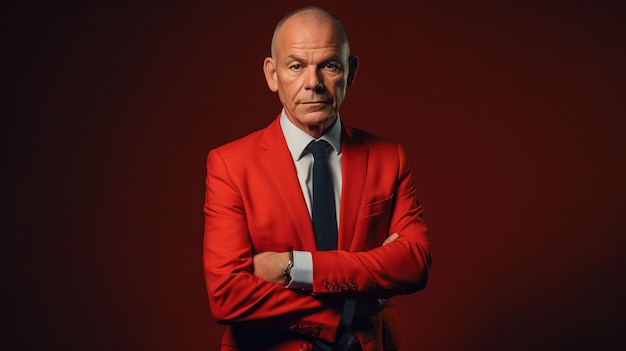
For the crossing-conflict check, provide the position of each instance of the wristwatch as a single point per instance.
(288, 271)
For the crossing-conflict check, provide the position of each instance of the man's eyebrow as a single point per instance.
(332, 58)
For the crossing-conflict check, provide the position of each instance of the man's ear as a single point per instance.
(353, 64)
(269, 68)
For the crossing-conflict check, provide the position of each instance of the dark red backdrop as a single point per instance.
(512, 116)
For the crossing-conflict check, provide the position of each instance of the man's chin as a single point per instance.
(313, 120)
(318, 111)
(320, 117)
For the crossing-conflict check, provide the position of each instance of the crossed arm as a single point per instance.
(269, 265)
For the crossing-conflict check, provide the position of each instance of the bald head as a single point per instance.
(314, 15)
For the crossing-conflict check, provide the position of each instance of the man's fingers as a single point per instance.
(391, 238)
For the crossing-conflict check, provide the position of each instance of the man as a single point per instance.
(311, 226)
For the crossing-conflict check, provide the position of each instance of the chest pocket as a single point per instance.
(372, 226)
(374, 209)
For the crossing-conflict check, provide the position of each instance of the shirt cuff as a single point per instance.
(302, 273)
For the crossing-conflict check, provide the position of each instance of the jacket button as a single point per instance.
(328, 285)
(353, 286)
(337, 287)
(316, 331)
(305, 347)
(345, 286)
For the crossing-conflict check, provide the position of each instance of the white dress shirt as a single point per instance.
(297, 142)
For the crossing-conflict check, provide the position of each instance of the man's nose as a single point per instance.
(313, 79)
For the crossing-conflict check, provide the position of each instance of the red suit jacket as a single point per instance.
(254, 203)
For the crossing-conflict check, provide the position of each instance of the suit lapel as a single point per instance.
(283, 172)
(354, 171)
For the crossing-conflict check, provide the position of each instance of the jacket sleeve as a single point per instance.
(236, 296)
(384, 271)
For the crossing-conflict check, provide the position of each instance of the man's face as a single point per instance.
(310, 71)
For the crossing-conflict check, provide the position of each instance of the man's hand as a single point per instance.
(270, 266)
(391, 238)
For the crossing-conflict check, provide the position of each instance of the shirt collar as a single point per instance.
(297, 139)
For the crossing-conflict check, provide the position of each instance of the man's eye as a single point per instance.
(295, 67)
(331, 66)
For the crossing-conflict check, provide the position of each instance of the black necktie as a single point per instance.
(323, 207)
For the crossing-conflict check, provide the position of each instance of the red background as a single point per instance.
(511, 114)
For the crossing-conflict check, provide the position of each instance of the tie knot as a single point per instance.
(318, 149)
